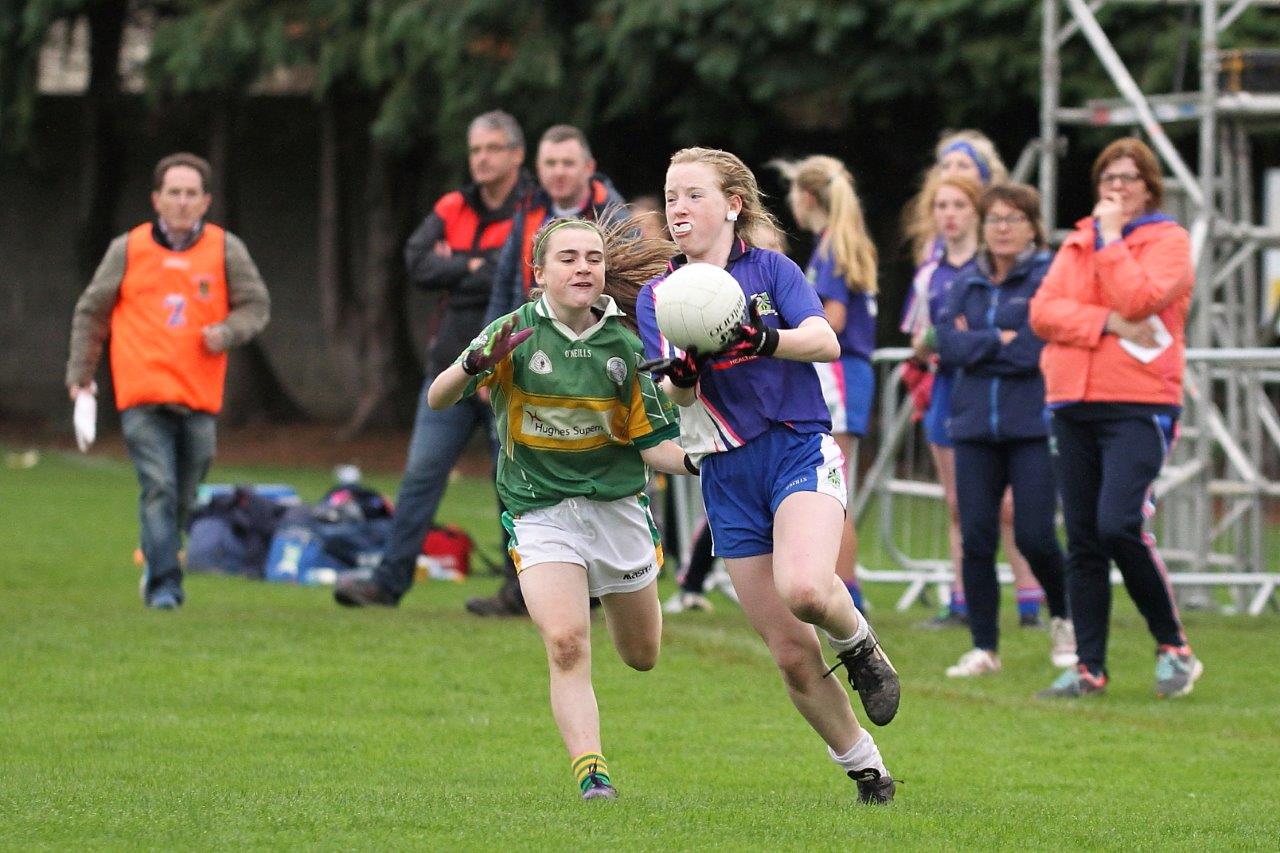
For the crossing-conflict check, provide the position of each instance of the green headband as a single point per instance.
(563, 223)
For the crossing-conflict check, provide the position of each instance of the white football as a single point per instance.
(699, 305)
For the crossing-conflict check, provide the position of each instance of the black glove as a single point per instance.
(753, 337)
(484, 356)
(682, 371)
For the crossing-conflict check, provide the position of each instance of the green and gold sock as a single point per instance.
(588, 763)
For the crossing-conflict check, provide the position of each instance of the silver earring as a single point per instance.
(731, 216)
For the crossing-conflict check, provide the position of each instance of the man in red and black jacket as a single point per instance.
(568, 185)
(453, 251)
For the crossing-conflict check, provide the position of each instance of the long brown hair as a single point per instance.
(629, 259)
(917, 216)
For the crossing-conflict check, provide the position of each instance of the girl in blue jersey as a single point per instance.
(959, 153)
(843, 272)
(772, 476)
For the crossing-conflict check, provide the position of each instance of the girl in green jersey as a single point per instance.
(579, 427)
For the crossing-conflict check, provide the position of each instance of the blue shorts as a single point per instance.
(848, 386)
(939, 411)
(742, 488)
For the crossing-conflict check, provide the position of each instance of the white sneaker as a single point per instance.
(975, 662)
(684, 601)
(720, 581)
(1062, 642)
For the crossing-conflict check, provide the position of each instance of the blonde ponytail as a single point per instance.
(846, 240)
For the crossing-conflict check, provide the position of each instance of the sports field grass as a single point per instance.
(264, 716)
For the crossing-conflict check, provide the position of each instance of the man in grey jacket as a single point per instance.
(452, 252)
(173, 295)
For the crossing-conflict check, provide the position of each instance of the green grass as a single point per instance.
(264, 716)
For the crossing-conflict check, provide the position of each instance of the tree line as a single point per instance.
(394, 83)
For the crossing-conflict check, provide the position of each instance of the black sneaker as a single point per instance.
(507, 601)
(946, 619)
(358, 590)
(873, 676)
(164, 599)
(598, 787)
(873, 788)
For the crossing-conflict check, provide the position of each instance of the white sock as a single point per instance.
(859, 634)
(860, 756)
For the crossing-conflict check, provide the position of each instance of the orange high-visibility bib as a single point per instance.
(166, 297)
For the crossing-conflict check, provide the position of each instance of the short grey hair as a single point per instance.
(499, 120)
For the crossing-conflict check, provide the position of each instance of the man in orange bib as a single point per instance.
(173, 294)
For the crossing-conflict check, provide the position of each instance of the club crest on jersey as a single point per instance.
(616, 369)
(764, 305)
(204, 285)
(539, 363)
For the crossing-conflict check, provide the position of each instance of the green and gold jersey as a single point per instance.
(572, 410)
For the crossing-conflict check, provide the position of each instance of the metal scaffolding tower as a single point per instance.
(1224, 477)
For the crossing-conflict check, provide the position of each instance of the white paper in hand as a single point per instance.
(1146, 355)
(85, 419)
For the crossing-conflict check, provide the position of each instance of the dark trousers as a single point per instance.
(700, 561)
(438, 439)
(984, 469)
(1105, 470)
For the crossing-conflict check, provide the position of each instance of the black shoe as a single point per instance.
(873, 789)
(1030, 620)
(164, 599)
(873, 676)
(507, 601)
(946, 619)
(357, 590)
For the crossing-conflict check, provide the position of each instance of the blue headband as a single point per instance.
(984, 171)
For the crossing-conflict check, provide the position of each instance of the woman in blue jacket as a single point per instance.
(997, 420)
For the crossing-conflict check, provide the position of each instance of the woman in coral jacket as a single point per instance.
(1112, 308)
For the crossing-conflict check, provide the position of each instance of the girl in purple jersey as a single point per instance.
(772, 476)
(843, 272)
(959, 153)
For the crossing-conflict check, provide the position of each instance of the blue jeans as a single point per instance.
(171, 448)
(438, 439)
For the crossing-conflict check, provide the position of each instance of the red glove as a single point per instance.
(682, 371)
(918, 379)
(752, 337)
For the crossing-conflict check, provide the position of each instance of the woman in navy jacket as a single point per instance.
(997, 420)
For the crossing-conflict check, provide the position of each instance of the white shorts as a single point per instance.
(615, 541)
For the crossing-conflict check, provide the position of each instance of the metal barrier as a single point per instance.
(1219, 521)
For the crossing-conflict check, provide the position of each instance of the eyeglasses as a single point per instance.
(1011, 219)
(492, 148)
(1122, 177)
